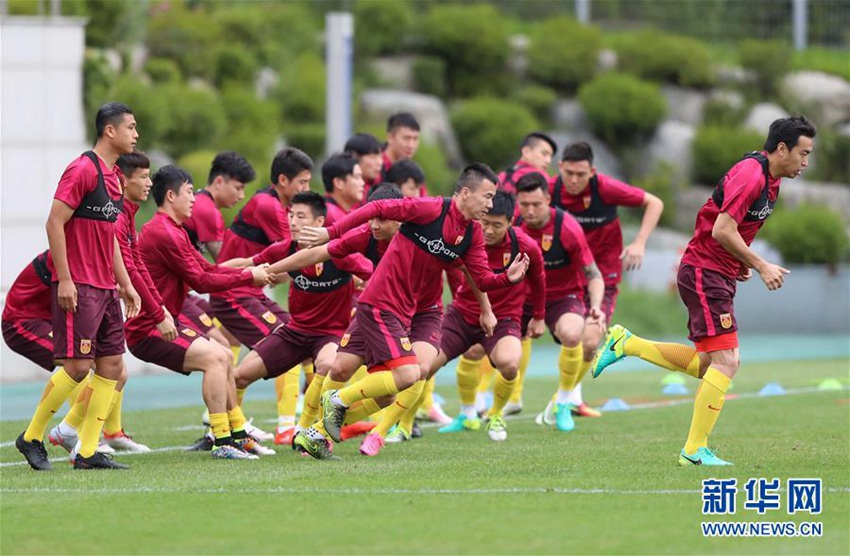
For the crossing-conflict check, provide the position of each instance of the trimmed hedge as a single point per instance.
(716, 148)
(490, 130)
(768, 60)
(538, 99)
(659, 56)
(381, 27)
(622, 108)
(563, 53)
(808, 234)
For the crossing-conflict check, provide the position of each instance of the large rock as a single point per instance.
(833, 195)
(728, 97)
(429, 111)
(603, 158)
(828, 95)
(671, 145)
(569, 115)
(684, 105)
(394, 71)
(762, 115)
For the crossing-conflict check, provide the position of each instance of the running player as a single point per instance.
(402, 143)
(343, 181)
(536, 152)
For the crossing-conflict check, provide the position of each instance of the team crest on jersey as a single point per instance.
(85, 347)
(506, 259)
(344, 341)
(546, 242)
(726, 320)
(269, 317)
(586, 201)
(405, 343)
(319, 268)
(205, 319)
(189, 332)
(459, 240)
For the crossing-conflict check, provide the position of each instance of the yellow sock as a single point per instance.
(240, 396)
(75, 417)
(312, 401)
(320, 426)
(516, 396)
(361, 410)
(569, 363)
(673, 357)
(407, 418)
(309, 371)
(502, 391)
(582, 372)
(112, 425)
(468, 377)
(707, 405)
(236, 419)
(331, 384)
(102, 390)
(52, 398)
(485, 374)
(287, 386)
(428, 394)
(374, 385)
(403, 402)
(220, 425)
(359, 374)
(235, 351)
(75, 393)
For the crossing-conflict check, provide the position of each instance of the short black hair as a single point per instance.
(533, 138)
(402, 119)
(472, 176)
(404, 170)
(531, 182)
(168, 178)
(290, 162)
(339, 165)
(111, 113)
(578, 152)
(504, 204)
(231, 165)
(384, 190)
(788, 131)
(316, 202)
(187, 176)
(131, 162)
(361, 144)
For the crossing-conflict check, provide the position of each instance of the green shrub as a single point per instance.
(429, 75)
(301, 90)
(716, 148)
(381, 27)
(540, 100)
(252, 124)
(658, 56)
(563, 53)
(808, 234)
(768, 60)
(438, 176)
(234, 64)
(490, 130)
(163, 71)
(98, 79)
(473, 40)
(198, 163)
(310, 138)
(661, 182)
(830, 161)
(622, 108)
(151, 109)
(196, 119)
(187, 36)
(717, 112)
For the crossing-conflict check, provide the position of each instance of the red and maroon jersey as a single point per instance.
(565, 253)
(319, 295)
(335, 212)
(410, 272)
(507, 302)
(509, 178)
(745, 200)
(261, 222)
(90, 241)
(29, 297)
(595, 209)
(367, 185)
(176, 267)
(128, 241)
(206, 224)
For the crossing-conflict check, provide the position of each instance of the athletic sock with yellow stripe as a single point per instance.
(516, 396)
(54, 395)
(671, 356)
(102, 390)
(709, 401)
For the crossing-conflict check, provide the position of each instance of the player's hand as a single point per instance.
(67, 294)
(597, 318)
(536, 328)
(488, 323)
(772, 275)
(632, 256)
(261, 276)
(166, 327)
(132, 301)
(359, 283)
(516, 272)
(744, 274)
(311, 236)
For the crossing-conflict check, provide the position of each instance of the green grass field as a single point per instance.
(610, 486)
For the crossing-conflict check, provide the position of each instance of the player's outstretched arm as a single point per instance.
(632, 255)
(725, 232)
(301, 259)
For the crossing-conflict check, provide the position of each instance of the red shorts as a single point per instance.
(33, 339)
(194, 311)
(609, 301)
(709, 297)
(386, 339)
(249, 319)
(95, 329)
(285, 348)
(555, 309)
(459, 335)
(171, 355)
(426, 326)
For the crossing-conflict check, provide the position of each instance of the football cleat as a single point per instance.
(547, 416)
(203, 444)
(584, 410)
(333, 415)
(67, 441)
(257, 433)
(564, 418)
(372, 445)
(415, 431)
(34, 452)
(231, 451)
(497, 429)
(283, 435)
(356, 429)
(315, 448)
(513, 408)
(396, 435)
(437, 415)
(611, 350)
(97, 461)
(462, 423)
(703, 456)
(123, 441)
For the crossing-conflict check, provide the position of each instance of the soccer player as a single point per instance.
(402, 143)
(367, 149)
(408, 176)
(536, 153)
(716, 257)
(343, 181)
(436, 233)
(86, 311)
(175, 267)
(570, 268)
(460, 327)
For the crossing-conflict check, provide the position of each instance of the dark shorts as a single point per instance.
(709, 297)
(286, 347)
(353, 341)
(249, 319)
(609, 301)
(194, 311)
(95, 329)
(171, 355)
(386, 338)
(33, 339)
(459, 335)
(426, 326)
(555, 309)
